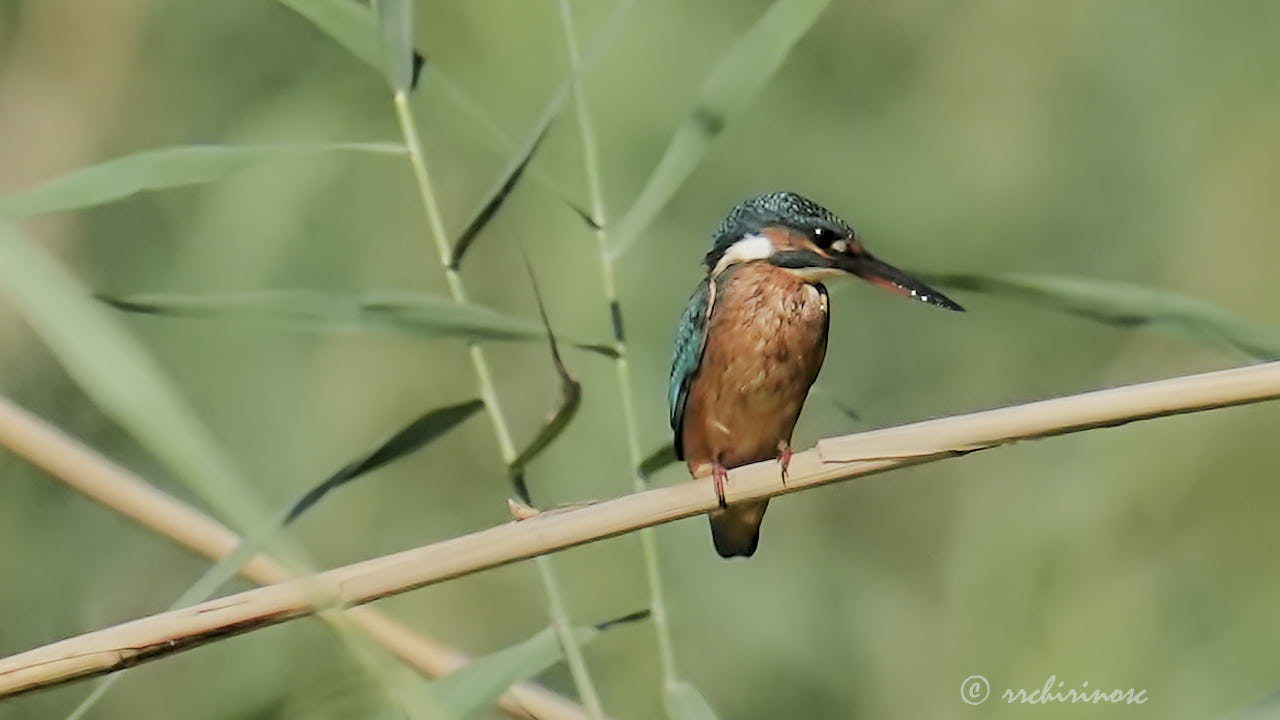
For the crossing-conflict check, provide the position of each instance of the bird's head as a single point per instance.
(796, 234)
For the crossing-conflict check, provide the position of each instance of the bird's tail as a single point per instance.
(735, 530)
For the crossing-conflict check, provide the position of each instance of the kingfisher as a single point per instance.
(752, 340)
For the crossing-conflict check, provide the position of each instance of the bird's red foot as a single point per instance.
(719, 476)
(784, 459)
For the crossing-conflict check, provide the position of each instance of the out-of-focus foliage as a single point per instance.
(732, 84)
(1130, 143)
(475, 687)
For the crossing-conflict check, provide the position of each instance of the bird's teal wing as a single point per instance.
(691, 338)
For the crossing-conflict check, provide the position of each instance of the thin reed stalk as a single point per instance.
(484, 379)
(833, 459)
(621, 363)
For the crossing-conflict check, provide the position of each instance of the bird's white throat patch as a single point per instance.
(759, 247)
(750, 247)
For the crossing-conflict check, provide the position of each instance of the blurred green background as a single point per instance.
(1123, 141)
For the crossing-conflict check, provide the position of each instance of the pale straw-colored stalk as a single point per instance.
(833, 459)
(108, 483)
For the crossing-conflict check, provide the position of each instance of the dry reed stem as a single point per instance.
(833, 459)
(101, 479)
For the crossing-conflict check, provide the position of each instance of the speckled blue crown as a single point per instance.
(787, 209)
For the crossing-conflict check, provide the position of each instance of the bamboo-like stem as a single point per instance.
(622, 366)
(103, 480)
(833, 459)
(556, 607)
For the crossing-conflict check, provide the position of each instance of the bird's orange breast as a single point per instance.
(766, 338)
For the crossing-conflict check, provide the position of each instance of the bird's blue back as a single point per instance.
(691, 339)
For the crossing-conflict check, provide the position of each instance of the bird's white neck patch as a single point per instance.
(750, 247)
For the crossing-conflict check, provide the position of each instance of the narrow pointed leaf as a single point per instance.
(627, 619)
(604, 349)
(507, 182)
(497, 140)
(352, 25)
(1127, 305)
(657, 460)
(398, 311)
(565, 410)
(414, 436)
(395, 27)
(157, 170)
(735, 81)
(684, 702)
(589, 221)
(417, 434)
(428, 314)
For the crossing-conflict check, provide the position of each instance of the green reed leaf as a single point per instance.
(423, 431)
(660, 458)
(481, 682)
(566, 408)
(1126, 305)
(407, 312)
(352, 25)
(158, 170)
(506, 182)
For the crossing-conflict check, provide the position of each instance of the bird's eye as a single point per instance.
(823, 236)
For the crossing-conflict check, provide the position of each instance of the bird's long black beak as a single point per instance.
(878, 272)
